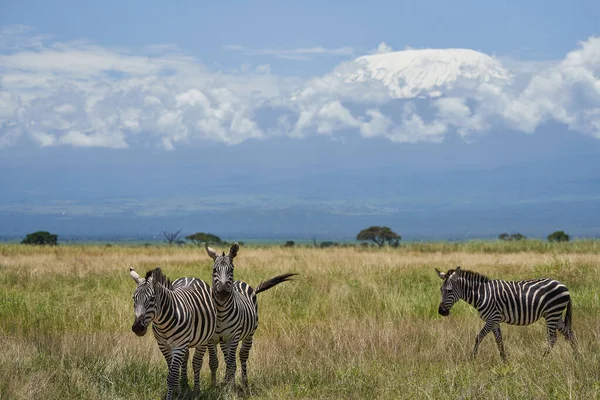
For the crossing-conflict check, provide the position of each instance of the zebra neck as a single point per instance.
(472, 291)
(165, 300)
(225, 305)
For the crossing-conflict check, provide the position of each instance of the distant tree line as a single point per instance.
(557, 236)
(378, 235)
(383, 235)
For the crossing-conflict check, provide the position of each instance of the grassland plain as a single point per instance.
(357, 323)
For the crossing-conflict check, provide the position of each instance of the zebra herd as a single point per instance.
(189, 313)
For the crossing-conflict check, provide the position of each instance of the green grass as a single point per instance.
(357, 323)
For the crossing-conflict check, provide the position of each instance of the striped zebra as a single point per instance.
(512, 302)
(182, 314)
(237, 311)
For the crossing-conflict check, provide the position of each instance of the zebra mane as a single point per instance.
(158, 277)
(471, 275)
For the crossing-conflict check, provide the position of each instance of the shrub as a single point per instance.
(511, 237)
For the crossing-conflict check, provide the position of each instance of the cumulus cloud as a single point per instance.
(82, 95)
(412, 128)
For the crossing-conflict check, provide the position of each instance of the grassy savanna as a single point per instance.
(356, 323)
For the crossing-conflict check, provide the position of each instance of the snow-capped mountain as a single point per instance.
(424, 73)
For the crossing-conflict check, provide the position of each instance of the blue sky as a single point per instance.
(333, 96)
(511, 28)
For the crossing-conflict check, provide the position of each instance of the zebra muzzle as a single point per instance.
(138, 328)
(443, 312)
(222, 294)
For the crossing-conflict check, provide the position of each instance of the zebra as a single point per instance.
(237, 312)
(182, 315)
(512, 302)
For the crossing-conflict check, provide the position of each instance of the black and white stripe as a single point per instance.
(237, 311)
(512, 302)
(182, 314)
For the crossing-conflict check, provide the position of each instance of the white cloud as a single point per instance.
(454, 112)
(9, 105)
(263, 69)
(192, 97)
(383, 48)
(377, 125)
(305, 53)
(44, 139)
(98, 139)
(334, 116)
(65, 109)
(411, 129)
(82, 95)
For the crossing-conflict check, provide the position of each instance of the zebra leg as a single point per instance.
(213, 362)
(499, 342)
(569, 335)
(230, 361)
(551, 333)
(166, 352)
(224, 350)
(489, 326)
(244, 353)
(174, 369)
(183, 378)
(197, 365)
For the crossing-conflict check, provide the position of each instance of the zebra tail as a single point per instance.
(568, 315)
(269, 283)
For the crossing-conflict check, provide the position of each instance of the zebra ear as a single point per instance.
(134, 275)
(457, 269)
(441, 274)
(233, 250)
(211, 252)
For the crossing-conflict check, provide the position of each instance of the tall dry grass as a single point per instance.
(357, 323)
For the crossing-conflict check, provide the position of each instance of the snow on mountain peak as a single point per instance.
(424, 73)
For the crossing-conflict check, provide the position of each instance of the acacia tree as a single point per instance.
(558, 236)
(171, 237)
(199, 238)
(379, 235)
(41, 238)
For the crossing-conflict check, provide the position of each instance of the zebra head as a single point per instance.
(144, 302)
(450, 294)
(222, 276)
